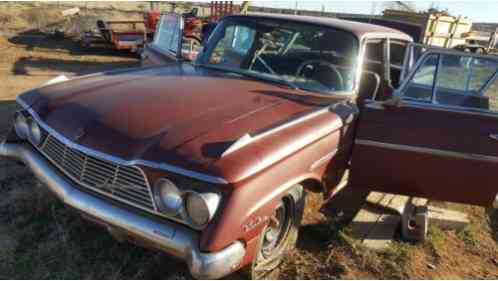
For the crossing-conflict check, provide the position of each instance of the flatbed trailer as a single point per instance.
(130, 35)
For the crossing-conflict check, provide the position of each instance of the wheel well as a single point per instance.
(313, 185)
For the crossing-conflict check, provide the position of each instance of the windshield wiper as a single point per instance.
(279, 80)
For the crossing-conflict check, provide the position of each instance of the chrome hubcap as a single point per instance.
(275, 231)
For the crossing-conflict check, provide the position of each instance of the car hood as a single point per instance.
(181, 115)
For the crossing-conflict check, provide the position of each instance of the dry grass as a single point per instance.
(44, 240)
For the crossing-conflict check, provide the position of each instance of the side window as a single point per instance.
(243, 39)
(460, 80)
(374, 54)
(374, 51)
(397, 51)
(421, 86)
(456, 80)
(232, 49)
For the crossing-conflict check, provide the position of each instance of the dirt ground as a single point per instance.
(41, 239)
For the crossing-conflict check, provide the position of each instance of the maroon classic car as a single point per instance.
(210, 161)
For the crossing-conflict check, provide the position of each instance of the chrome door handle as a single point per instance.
(494, 137)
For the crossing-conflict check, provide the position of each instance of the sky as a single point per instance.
(477, 11)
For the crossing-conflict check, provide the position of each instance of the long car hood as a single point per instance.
(180, 115)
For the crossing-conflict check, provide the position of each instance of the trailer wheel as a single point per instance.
(279, 236)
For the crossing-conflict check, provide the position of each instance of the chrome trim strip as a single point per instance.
(169, 237)
(98, 154)
(248, 138)
(449, 108)
(292, 147)
(291, 122)
(495, 204)
(430, 106)
(438, 152)
(59, 79)
(238, 144)
(323, 159)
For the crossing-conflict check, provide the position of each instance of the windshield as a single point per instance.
(306, 56)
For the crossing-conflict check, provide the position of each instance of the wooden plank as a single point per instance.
(378, 220)
(376, 224)
(447, 219)
(381, 235)
(390, 202)
(365, 220)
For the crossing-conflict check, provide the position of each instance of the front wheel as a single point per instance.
(279, 236)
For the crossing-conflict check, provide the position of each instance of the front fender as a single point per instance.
(249, 205)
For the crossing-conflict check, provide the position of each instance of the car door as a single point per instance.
(438, 137)
(171, 43)
(166, 46)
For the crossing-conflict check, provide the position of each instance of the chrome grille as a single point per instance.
(124, 183)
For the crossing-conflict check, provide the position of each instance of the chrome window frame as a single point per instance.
(399, 93)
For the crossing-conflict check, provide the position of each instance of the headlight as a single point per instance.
(168, 198)
(34, 134)
(201, 207)
(21, 125)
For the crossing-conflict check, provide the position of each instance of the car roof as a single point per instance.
(360, 29)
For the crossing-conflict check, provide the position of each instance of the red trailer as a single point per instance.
(193, 29)
(123, 35)
(134, 35)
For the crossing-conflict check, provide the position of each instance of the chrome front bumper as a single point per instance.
(172, 238)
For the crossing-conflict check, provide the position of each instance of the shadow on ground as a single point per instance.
(64, 55)
(337, 213)
(53, 42)
(493, 221)
(78, 67)
(7, 110)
